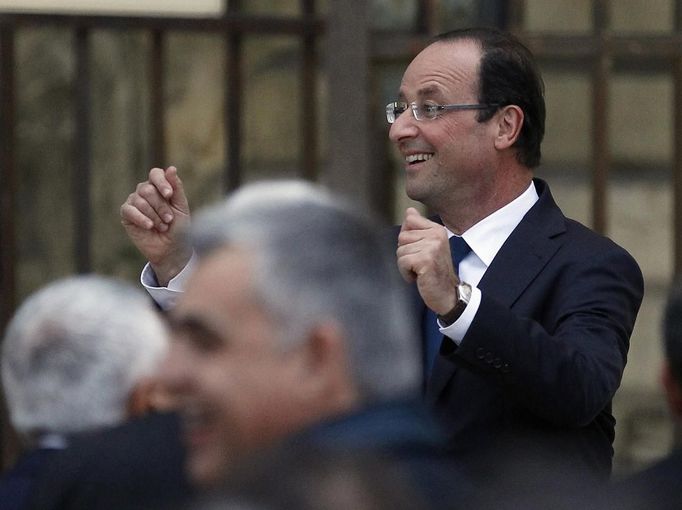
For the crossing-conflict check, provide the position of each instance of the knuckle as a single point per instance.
(136, 200)
(141, 205)
(141, 186)
(148, 192)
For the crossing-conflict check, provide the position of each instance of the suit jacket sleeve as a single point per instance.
(559, 348)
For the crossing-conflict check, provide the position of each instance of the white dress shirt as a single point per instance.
(165, 297)
(485, 239)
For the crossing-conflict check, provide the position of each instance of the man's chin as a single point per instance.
(206, 470)
(415, 192)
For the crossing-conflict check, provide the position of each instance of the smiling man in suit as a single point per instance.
(526, 333)
(530, 321)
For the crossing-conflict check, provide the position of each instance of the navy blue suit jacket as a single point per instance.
(546, 350)
(17, 484)
(406, 435)
(388, 454)
(137, 465)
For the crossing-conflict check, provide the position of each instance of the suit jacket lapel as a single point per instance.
(526, 252)
(523, 255)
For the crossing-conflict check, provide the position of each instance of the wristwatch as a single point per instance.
(463, 298)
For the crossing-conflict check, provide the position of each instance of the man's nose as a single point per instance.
(404, 126)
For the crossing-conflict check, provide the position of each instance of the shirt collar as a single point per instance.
(52, 441)
(488, 235)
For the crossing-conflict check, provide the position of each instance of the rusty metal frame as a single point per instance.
(233, 25)
(599, 51)
(676, 59)
(602, 50)
(7, 174)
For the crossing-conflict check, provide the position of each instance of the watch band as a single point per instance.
(463, 298)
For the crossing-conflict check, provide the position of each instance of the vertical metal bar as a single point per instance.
(7, 175)
(515, 15)
(349, 124)
(494, 13)
(233, 103)
(309, 96)
(82, 151)
(677, 154)
(426, 16)
(600, 150)
(157, 95)
(382, 172)
(8, 442)
(677, 167)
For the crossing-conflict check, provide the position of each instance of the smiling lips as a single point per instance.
(417, 158)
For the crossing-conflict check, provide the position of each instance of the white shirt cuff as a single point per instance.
(165, 297)
(459, 328)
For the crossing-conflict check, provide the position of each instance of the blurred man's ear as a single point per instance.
(327, 366)
(673, 390)
(148, 395)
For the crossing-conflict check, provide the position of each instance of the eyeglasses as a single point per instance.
(428, 111)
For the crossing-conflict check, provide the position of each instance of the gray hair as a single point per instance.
(316, 258)
(73, 352)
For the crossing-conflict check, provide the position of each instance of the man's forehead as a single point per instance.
(447, 54)
(222, 278)
(440, 68)
(229, 262)
(426, 91)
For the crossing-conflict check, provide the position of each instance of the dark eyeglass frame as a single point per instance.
(397, 108)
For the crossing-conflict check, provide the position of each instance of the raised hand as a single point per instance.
(154, 216)
(424, 256)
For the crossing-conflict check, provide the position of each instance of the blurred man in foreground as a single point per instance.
(294, 326)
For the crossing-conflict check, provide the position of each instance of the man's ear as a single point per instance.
(673, 391)
(326, 363)
(509, 124)
(139, 400)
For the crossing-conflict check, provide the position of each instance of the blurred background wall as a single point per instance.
(269, 88)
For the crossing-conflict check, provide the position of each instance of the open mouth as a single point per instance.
(413, 159)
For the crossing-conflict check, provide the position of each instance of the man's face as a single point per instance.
(449, 157)
(236, 389)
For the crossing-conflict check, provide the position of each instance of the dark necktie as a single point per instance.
(432, 335)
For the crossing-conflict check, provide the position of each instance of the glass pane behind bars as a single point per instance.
(640, 197)
(642, 15)
(271, 7)
(119, 124)
(44, 157)
(271, 109)
(640, 209)
(452, 14)
(566, 149)
(195, 93)
(393, 14)
(558, 15)
(638, 100)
